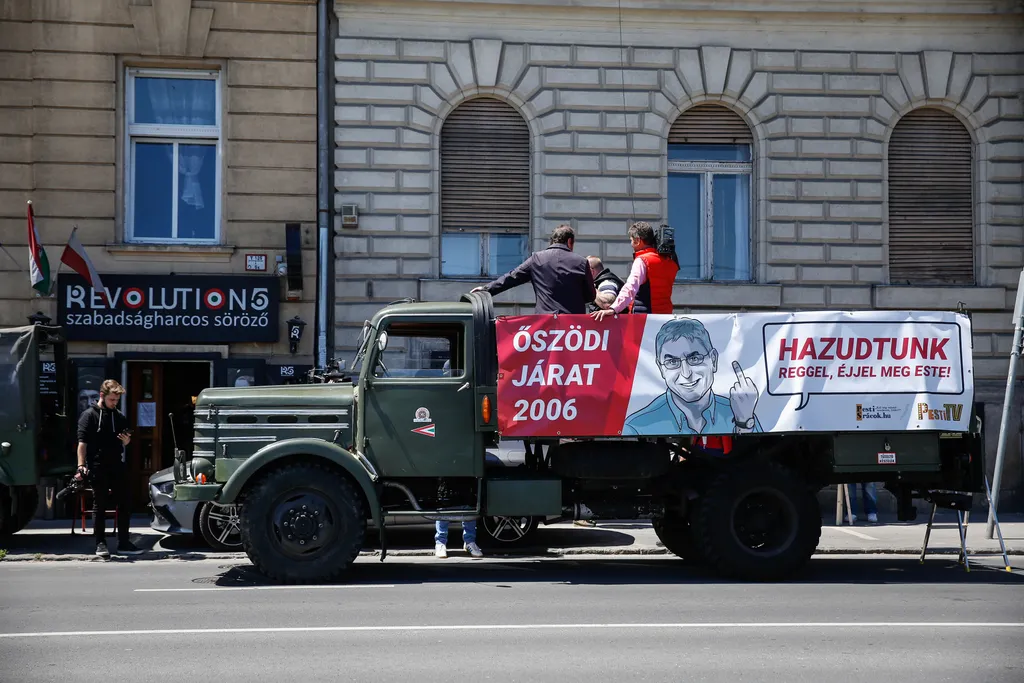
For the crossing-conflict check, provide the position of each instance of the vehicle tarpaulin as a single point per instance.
(16, 374)
(661, 375)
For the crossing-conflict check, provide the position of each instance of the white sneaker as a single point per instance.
(850, 519)
(473, 549)
(873, 517)
(440, 552)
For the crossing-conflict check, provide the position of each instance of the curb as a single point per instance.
(521, 553)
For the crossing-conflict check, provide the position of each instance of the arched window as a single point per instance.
(485, 189)
(931, 226)
(710, 161)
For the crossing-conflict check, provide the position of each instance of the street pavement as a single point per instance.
(561, 619)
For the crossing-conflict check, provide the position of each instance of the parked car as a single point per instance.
(217, 525)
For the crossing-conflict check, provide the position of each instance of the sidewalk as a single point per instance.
(52, 540)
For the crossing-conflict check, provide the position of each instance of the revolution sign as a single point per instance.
(170, 308)
(661, 375)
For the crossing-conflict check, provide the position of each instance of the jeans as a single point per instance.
(112, 476)
(468, 532)
(870, 499)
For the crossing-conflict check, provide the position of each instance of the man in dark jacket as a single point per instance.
(608, 284)
(102, 435)
(562, 281)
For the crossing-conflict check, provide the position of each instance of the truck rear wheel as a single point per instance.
(677, 537)
(11, 522)
(757, 522)
(6, 517)
(302, 523)
(28, 501)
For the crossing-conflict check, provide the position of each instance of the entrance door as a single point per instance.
(419, 420)
(145, 411)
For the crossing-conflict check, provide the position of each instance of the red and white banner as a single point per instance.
(660, 375)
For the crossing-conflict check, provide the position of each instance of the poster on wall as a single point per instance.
(214, 309)
(661, 375)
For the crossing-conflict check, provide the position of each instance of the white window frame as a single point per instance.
(485, 251)
(707, 171)
(176, 135)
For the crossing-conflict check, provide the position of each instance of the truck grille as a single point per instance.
(240, 432)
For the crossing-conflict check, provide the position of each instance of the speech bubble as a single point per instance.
(869, 358)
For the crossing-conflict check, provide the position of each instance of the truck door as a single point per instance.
(419, 410)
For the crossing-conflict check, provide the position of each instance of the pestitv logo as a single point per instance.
(948, 412)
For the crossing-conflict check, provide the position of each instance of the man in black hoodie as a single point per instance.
(102, 435)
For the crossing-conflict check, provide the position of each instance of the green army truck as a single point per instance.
(34, 426)
(436, 385)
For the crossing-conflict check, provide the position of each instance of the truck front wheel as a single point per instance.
(757, 522)
(302, 523)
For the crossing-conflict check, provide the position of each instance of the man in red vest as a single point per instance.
(648, 288)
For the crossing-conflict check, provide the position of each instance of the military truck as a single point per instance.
(614, 417)
(34, 427)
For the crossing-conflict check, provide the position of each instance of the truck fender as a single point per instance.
(318, 448)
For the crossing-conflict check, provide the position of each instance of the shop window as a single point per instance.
(173, 145)
(709, 194)
(485, 189)
(931, 225)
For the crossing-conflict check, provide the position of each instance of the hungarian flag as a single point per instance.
(74, 257)
(38, 265)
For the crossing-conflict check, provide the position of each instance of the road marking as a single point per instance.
(855, 533)
(255, 588)
(521, 627)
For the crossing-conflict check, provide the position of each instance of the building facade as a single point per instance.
(178, 139)
(828, 154)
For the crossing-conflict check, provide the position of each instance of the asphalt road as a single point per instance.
(866, 618)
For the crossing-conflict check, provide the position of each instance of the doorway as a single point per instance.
(159, 409)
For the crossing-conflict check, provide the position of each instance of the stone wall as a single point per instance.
(62, 70)
(820, 122)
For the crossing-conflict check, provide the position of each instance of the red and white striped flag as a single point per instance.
(74, 257)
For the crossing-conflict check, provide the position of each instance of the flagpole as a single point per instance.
(60, 263)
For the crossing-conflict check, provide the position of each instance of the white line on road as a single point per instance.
(523, 627)
(855, 533)
(255, 588)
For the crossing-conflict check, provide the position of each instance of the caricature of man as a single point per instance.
(688, 362)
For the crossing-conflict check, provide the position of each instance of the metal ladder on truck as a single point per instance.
(961, 503)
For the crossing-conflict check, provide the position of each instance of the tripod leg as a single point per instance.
(963, 540)
(928, 532)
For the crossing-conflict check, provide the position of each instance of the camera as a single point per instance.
(77, 483)
(667, 242)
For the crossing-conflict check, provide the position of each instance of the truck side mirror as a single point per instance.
(382, 341)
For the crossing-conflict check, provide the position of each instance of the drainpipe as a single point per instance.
(324, 299)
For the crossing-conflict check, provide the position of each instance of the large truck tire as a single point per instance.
(6, 516)
(676, 535)
(28, 501)
(13, 521)
(757, 522)
(302, 523)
